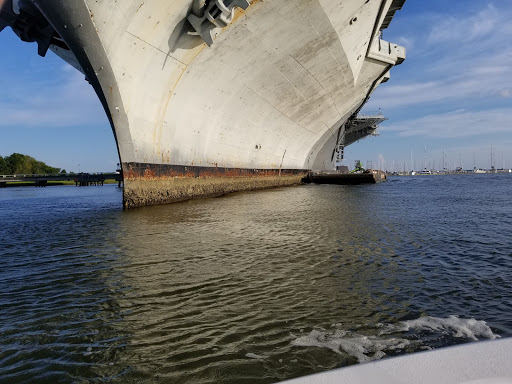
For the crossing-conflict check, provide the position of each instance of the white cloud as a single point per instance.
(66, 101)
(463, 77)
(455, 124)
(439, 92)
(407, 42)
(466, 29)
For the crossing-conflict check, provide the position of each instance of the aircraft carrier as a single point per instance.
(207, 97)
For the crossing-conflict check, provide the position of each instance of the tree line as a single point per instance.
(24, 164)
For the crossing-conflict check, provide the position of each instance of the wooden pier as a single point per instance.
(80, 179)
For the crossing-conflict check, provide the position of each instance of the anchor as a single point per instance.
(218, 14)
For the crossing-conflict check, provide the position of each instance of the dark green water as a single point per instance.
(252, 287)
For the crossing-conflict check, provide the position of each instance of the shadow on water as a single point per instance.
(224, 286)
(60, 284)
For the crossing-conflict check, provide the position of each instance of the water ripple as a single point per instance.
(251, 287)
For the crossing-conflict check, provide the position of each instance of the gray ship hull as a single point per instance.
(201, 110)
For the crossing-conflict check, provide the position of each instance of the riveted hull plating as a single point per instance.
(263, 104)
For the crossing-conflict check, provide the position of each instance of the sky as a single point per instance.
(49, 111)
(451, 98)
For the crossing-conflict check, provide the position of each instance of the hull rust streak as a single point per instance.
(150, 184)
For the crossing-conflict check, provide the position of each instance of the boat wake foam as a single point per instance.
(363, 348)
(466, 328)
(390, 338)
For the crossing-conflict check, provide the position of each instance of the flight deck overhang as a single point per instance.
(396, 5)
(362, 126)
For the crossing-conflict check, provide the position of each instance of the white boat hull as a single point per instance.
(485, 362)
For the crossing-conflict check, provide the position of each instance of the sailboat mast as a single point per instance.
(492, 166)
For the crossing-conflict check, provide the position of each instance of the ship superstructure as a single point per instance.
(207, 97)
